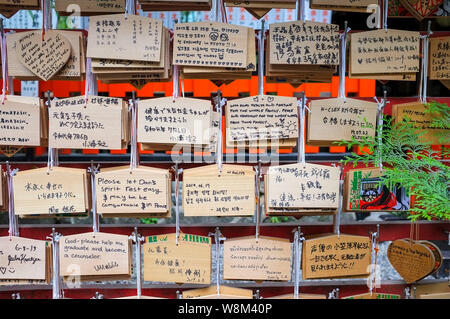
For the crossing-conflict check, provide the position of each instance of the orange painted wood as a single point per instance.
(337, 149)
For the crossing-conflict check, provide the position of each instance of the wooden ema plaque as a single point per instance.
(364, 193)
(144, 191)
(135, 72)
(97, 123)
(90, 7)
(225, 74)
(436, 296)
(206, 193)
(8, 8)
(269, 258)
(423, 290)
(20, 123)
(304, 42)
(224, 293)
(344, 5)
(23, 259)
(391, 60)
(175, 5)
(439, 67)
(258, 8)
(43, 57)
(95, 256)
(296, 74)
(415, 112)
(446, 83)
(210, 44)
(133, 37)
(333, 256)
(36, 102)
(261, 118)
(262, 122)
(384, 52)
(438, 257)
(20, 3)
(10, 151)
(412, 260)
(421, 9)
(298, 189)
(71, 70)
(164, 122)
(189, 262)
(340, 119)
(59, 191)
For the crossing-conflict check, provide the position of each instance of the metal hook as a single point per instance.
(337, 217)
(343, 62)
(258, 175)
(218, 237)
(334, 294)
(177, 173)
(301, 136)
(407, 293)
(134, 156)
(261, 54)
(298, 239)
(93, 171)
(137, 239)
(98, 296)
(13, 220)
(57, 289)
(219, 147)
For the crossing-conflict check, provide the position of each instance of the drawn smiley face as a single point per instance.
(214, 36)
(224, 37)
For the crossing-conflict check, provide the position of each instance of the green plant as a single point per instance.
(441, 120)
(149, 220)
(277, 220)
(411, 163)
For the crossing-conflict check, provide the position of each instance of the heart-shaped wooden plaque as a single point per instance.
(421, 8)
(438, 258)
(43, 57)
(412, 260)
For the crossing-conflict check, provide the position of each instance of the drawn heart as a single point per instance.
(43, 57)
(2, 270)
(421, 8)
(412, 260)
(270, 99)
